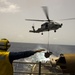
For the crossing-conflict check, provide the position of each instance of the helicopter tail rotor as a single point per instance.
(33, 28)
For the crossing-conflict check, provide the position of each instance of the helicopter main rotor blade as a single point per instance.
(46, 12)
(67, 19)
(35, 20)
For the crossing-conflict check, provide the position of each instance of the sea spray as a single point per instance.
(38, 56)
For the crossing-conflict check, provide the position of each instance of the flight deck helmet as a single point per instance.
(4, 44)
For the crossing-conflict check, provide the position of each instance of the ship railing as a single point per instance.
(31, 72)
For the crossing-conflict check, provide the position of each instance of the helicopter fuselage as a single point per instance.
(47, 26)
(50, 26)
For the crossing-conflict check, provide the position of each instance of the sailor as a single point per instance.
(7, 58)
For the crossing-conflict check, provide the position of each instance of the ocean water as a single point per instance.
(56, 49)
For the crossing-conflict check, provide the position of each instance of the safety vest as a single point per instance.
(6, 67)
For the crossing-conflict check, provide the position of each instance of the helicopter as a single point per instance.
(47, 26)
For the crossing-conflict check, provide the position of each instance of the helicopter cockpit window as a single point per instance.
(56, 23)
(51, 22)
(42, 26)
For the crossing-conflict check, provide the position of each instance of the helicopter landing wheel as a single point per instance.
(41, 33)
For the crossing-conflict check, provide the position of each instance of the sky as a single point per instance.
(15, 28)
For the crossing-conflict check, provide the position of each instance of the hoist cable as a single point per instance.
(48, 41)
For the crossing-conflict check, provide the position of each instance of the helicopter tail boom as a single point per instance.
(34, 31)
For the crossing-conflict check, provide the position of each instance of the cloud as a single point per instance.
(8, 7)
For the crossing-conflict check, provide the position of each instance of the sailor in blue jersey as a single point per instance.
(7, 58)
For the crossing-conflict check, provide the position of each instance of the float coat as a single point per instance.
(5, 65)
